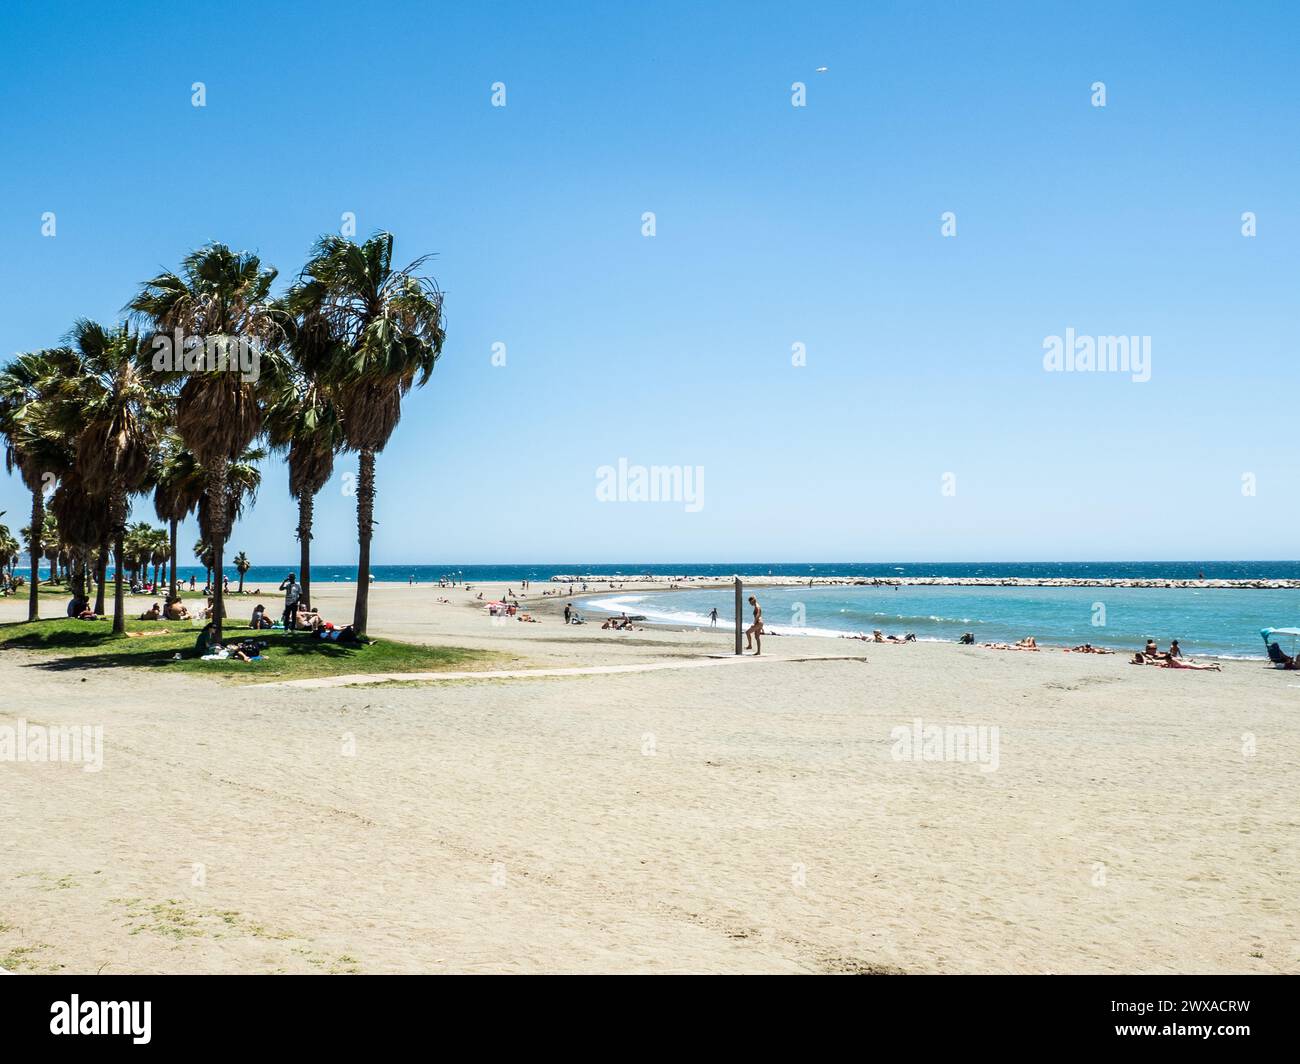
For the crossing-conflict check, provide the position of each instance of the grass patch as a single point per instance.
(61, 592)
(76, 645)
(23, 958)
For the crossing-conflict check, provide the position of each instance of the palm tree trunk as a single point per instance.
(306, 504)
(365, 527)
(38, 521)
(119, 591)
(117, 517)
(217, 508)
(101, 573)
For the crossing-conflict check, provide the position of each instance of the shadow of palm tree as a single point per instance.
(142, 656)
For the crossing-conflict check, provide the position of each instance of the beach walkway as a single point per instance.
(528, 674)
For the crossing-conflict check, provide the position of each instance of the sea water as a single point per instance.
(1218, 622)
(1222, 622)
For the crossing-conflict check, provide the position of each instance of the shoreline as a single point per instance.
(812, 632)
(929, 581)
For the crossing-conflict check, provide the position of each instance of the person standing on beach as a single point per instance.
(713, 617)
(755, 629)
(568, 612)
(292, 593)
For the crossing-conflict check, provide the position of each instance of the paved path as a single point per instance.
(526, 674)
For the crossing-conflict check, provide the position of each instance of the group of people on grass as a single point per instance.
(297, 616)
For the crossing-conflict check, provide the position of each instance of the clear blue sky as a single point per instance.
(775, 225)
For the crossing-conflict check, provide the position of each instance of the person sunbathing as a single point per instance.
(1180, 663)
(260, 619)
(176, 611)
(208, 650)
(1028, 643)
(346, 634)
(87, 614)
(309, 619)
(153, 613)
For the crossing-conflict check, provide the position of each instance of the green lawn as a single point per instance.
(63, 592)
(73, 645)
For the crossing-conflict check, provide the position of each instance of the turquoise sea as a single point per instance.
(1210, 621)
(1216, 622)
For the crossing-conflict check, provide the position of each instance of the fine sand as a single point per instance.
(737, 816)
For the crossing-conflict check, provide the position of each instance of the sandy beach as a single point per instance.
(702, 815)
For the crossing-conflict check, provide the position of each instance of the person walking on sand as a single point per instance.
(756, 629)
(713, 617)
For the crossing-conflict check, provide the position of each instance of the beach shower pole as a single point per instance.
(739, 611)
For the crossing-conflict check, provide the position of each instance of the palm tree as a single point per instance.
(379, 331)
(83, 525)
(52, 544)
(203, 555)
(178, 486)
(30, 448)
(219, 297)
(159, 553)
(135, 549)
(243, 479)
(9, 550)
(120, 415)
(242, 565)
(303, 420)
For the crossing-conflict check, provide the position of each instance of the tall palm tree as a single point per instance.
(242, 565)
(120, 415)
(303, 420)
(31, 448)
(159, 553)
(178, 486)
(381, 331)
(135, 548)
(243, 479)
(83, 524)
(219, 296)
(52, 544)
(203, 555)
(9, 550)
